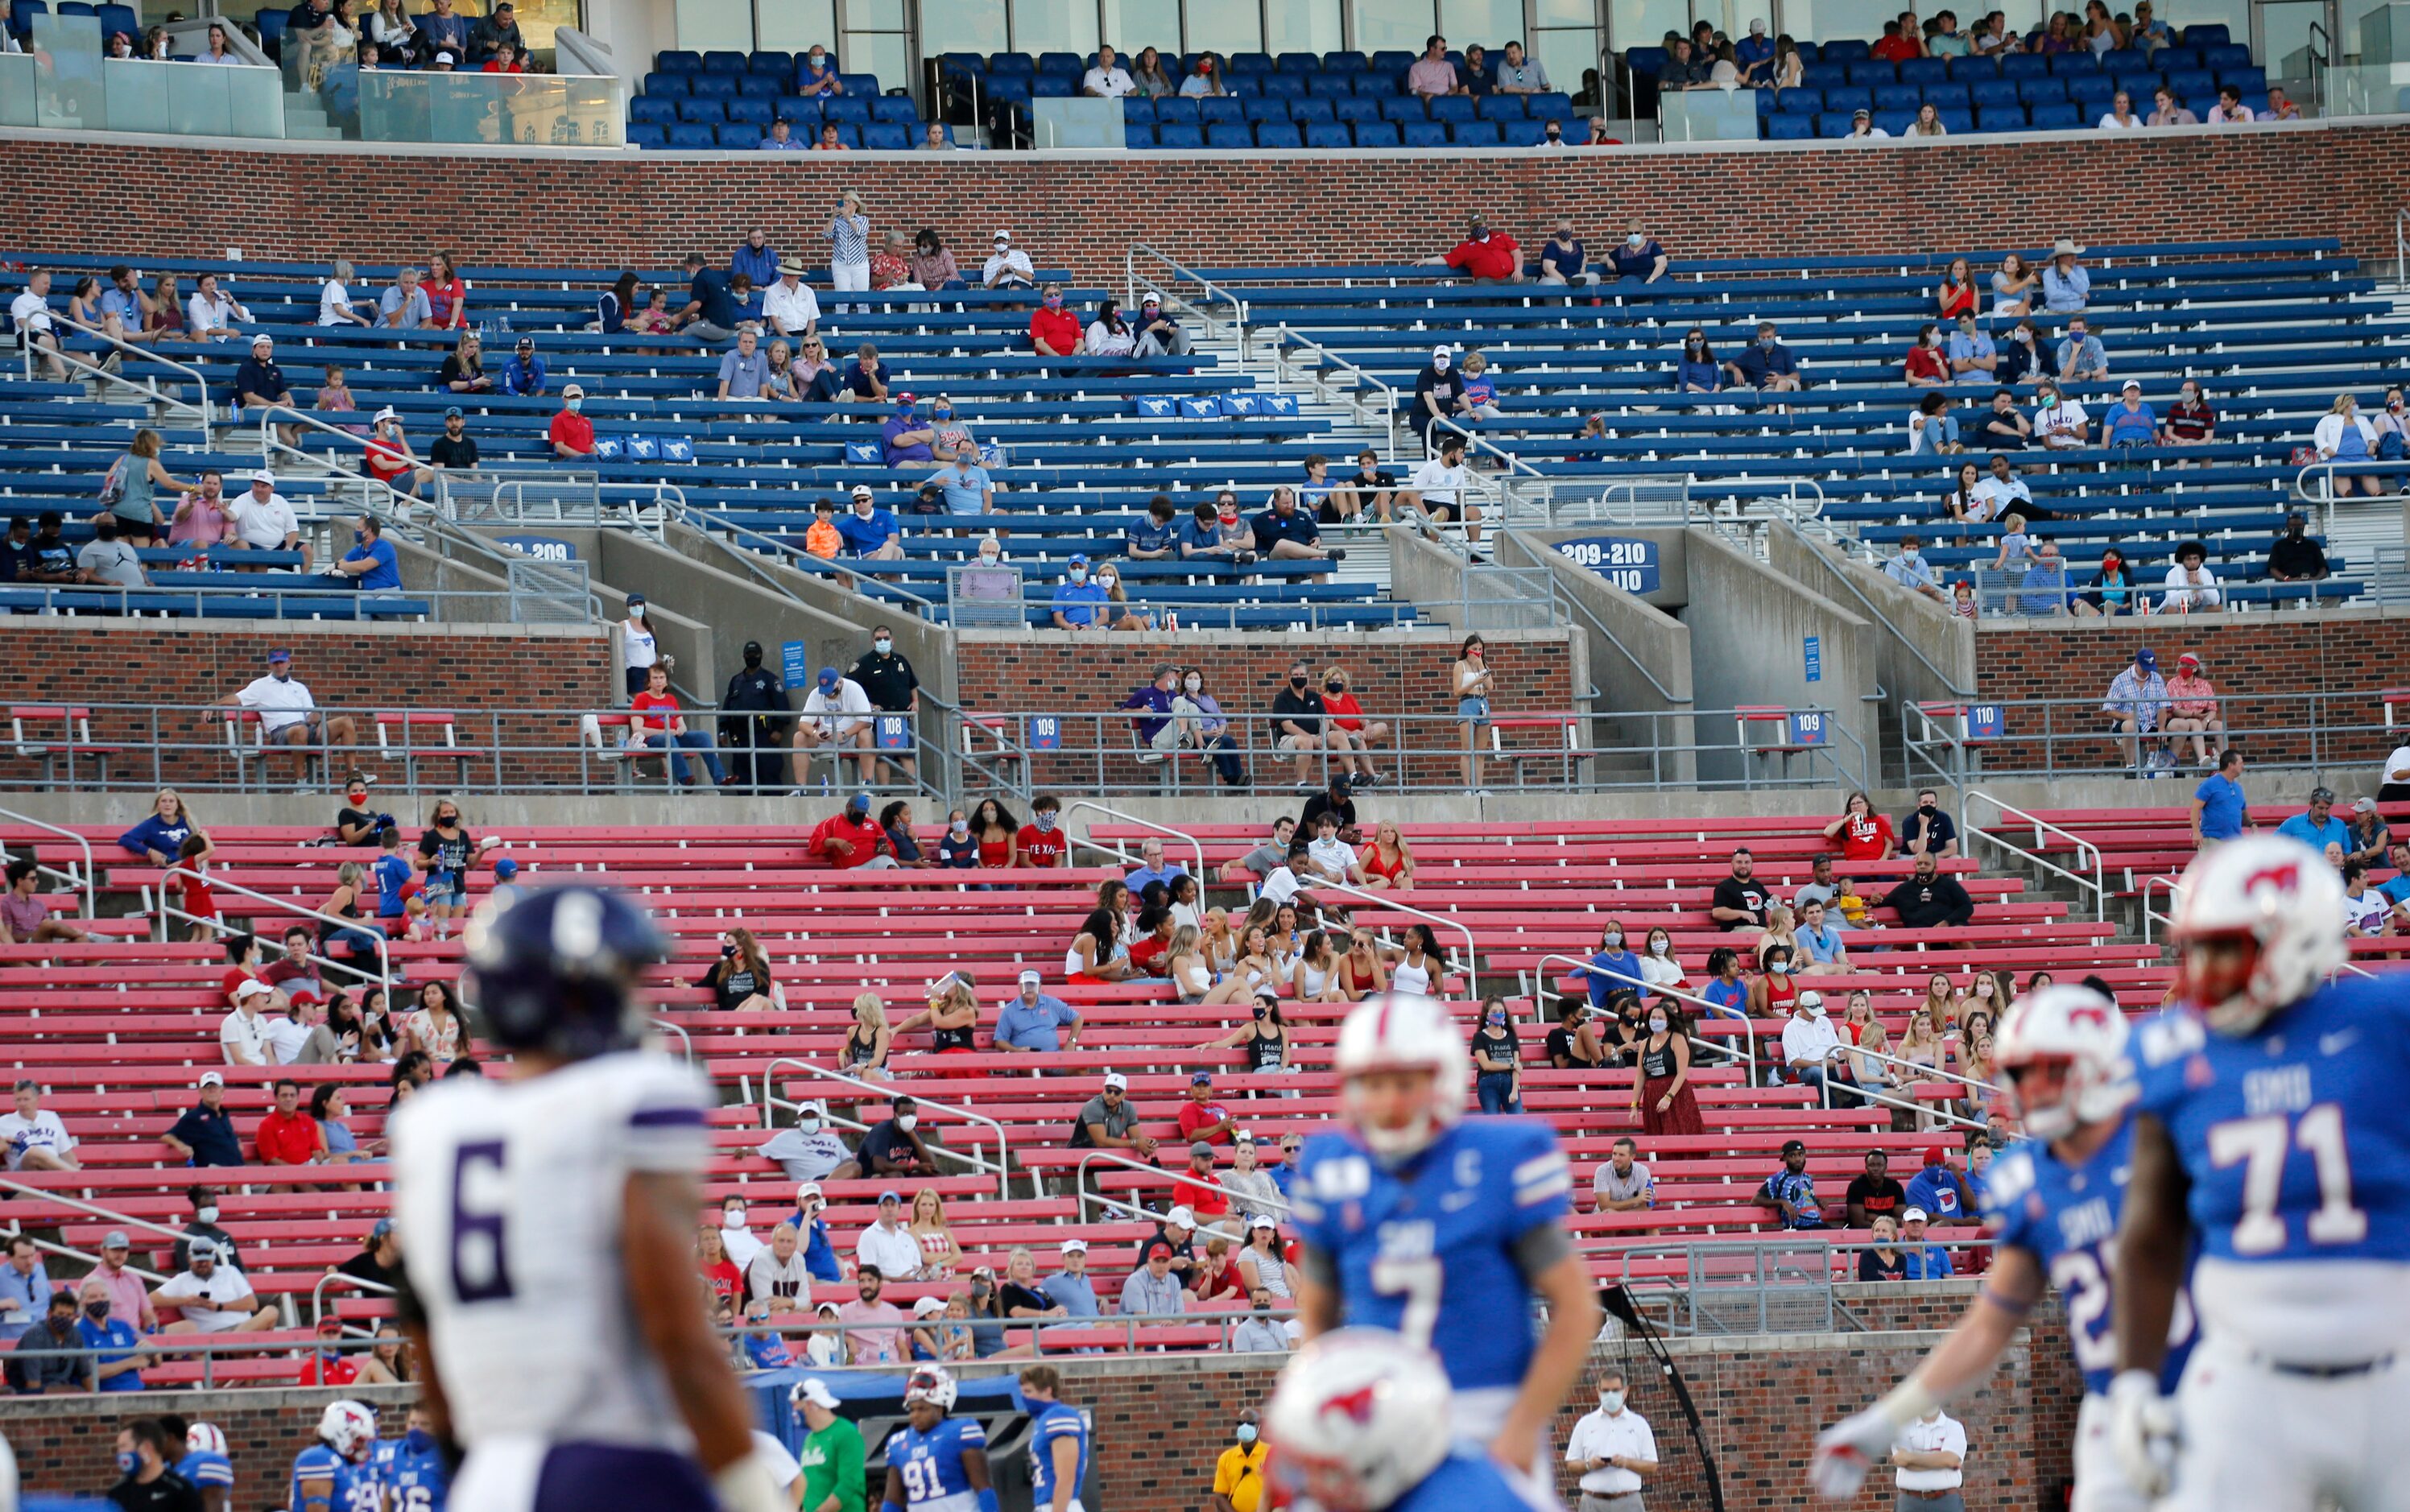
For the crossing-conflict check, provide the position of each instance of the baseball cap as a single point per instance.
(1204, 1147)
(280, 654)
(2146, 659)
(1004, 235)
(1116, 1081)
(212, 1079)
(807, 1189)
(2364, 806)
(1151, 299)
(445, 57)
(1074, 1246)
(1180, 1216)
(115, 1239)
(862, 490)
(860, 801)
(635, 600)
(1158, 1248)
(815, 1390)
(1201, 1078)
(1262, 1220)
(2134, 384)
(826, 676)
(328, 1324)
(573, 391)
(263, 475)
(202, 1249)
(903, 401)
(388, 412)
(1030, 979)
(1441, 352)
(1079, 559)
(1862, 114)
(1935, 1155)
(885, 1197)
(381, 1228)
(528, 341)
(2188, 660)
(252, 987)
(263, 338)
(1757, 27)
(452, 411)
(506, 868)
(1915, 1215)
(1789, 1145)
(926, 1306)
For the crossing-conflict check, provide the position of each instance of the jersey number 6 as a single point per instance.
(480, 1264)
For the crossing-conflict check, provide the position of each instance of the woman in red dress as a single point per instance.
(1662, 1098)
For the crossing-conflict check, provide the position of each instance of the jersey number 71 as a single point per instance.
(2260, 1144)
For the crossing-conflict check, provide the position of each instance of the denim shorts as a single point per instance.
(443, 889)
(1475, 709)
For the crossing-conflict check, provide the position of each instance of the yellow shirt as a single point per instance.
(1239, 1476)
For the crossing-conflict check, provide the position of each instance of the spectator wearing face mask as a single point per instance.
(838, 714)
(1239, 1473)
(886, 677)
(1612, 1449)
(1497, 1061)
(752, 726)
(1928, 898)
(1910, 570)
(1806, 1038)
(1927, 829)
(1484, 255)
(811, 1151)
(1640, 258)
(1054, 331)
(1437, 388)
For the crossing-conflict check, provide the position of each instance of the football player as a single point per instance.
(600, 1383)
(2269, 1126)
(334, 1475)
(412, 1468)
(1360, 1422)
(2053, 1202)
(937, 1462)
(1058, 1442)
(206, 1465)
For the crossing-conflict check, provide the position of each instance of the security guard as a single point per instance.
(751, 735)
(889, 682)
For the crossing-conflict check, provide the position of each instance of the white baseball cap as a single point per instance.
(1915, 1215)
(927, 1305)
(263, 475)
(1031, 979)
(1180, 1216)
(1074, 1246)
(1004, 235)
(814, 1390)
(807, 1190)
(252, 987)
(212, 1079)
(1116, 1081)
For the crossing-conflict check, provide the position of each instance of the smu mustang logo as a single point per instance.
(2283, 879)
(1355, 1407)
(2091, 1014)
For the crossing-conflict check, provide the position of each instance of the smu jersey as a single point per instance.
(2293, 1135)
(415, 1480)
(931, 1464)
(1426, 1248)
(1466, 1483)
(202, 1468)
(355, 1486)
(511, 1195)
(1050, 1426)
(2066, 1217)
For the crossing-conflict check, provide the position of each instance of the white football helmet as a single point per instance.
(204, 1438)
(1360, 1418)
(1403, 1032)
(347, 1427)
(930, 1383)
(2279, 897)
(2083, 1030)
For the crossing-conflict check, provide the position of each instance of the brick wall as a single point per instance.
(1160, 1424)
(1212, 209)
(2252, 660)
(365, 668)
(1051, 673)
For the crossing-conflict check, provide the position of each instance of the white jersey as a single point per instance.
(511, 1194)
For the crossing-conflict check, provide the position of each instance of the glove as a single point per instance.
(745, 1486)
(1845, 1451)
(2142, 1431)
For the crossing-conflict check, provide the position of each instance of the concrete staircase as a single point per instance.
(305, 120)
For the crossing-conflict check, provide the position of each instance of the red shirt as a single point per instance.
(386, 462)
(290, 1139)
(864, 840)
(1926, 362)
(337, 1370)
(727, 1286)
(1195, 1116)
(1898, 49)
(1498, 256)
(1202, 1200)
(667, 703)
(494, 65)
(1864, 836)
(1043, 848)
(1149, 950)
(1343, 710)
(574, 431)
(233, 978)
(1057, 329)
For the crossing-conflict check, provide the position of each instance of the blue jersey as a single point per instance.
(415, 1480)
(392, 875)
(931, 1463)
(1429, 1248)
(2066, 1217)
(1465, 1482)
(356, 1487)
(1053, 1424)
(2292, 1136)
(202, 1468)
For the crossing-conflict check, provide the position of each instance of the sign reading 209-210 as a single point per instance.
(1628, 563)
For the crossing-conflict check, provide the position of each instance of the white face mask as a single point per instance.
(882, 646)
(989, 555)
(908, 1122)
(1192, 684)
(733, 1218)
(1659, 947)
(1611, 1402)
(1079, 575)
(207, 1215)
(807, 1126)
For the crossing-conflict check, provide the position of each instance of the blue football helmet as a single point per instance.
(555, 970)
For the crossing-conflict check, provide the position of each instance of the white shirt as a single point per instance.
(248, 1033)
(1334, 853)
(281, 705)
(784, 1470)
(1996, 495)
(1104, 342)
(225, 1284)
(30, 311)
(766, 1277)
(1807, 1040)
(640, 645)
(43, 1131)
(1012, 260)
(2328, 434)
(1945, 1434)
(2110, 123)
(2365, 913)
(1281, 886)
(203, 315)
(740, 1246)
(263, 526)
(1598, 1437)
(288, 1035)
(2196, 590)
(805, 1157)
(894, 1251)
(2067, 415)
(790, 310)
(1606, 1186)
(1437, 482)
(847, 700)
(1112, 83)
(334, 304)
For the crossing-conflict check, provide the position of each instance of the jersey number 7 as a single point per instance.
(1418, 1281)
(2260, 1144)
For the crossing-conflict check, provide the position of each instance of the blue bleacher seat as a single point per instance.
(713, 86)
(1175, 109)
(687, 134)
(1809, 53)
(1020, 64)
(1279, 86)
(897, 109)
(1310, 112)
(2140, 85)
(1501, 108)
(1330, 86)
(1424, 134)
(2217, 60)
(1009, 88)
(2064, 63)
(758, 87)
(1375, 133)
(1228, 133)
(1254, 111)
(1897, 97)
(116, 18)
(1523, 133)
(1404, 108)
(1824, 75)
(845, 110)
(2023, 65)
(738, 137)
(1328, 134)
(1062, 63)
(2206, 35)
(2093, 92)
(2121, 60)
(1895, 121)
(665, 86)
(1999, 118)
(1797, 101)
(1246, 63)
(648, 136)
(1923, 70)
(1391, 63)
(1959, 123)
(1474, 133)
(1948, 96)
(707, 112)
(802, 112)
(1552, 105)
(1972, 70)
(1848, 50)
(651, 110)
(1873, 71)
(1832, 122)
(673, 61)
(2040, 90)
(965, 65)
(1451, 108)
(1356, 110)
(1297, 63)
(886, 137)
(1221, 109)
(1138, 134)
(2058, 116)
(2249, 81)
(1055, 87)
(2202, 105)
(2178, 57)
(1278, 134)
(1179, 134)
(757, 112)
(718, 61)
(777, 64)
(861, 86)
(1848, 98)
(1345, 63)
(1789, 128)
(1137, 109)
(2193, 83)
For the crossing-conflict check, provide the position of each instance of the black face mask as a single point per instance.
(1297, 682)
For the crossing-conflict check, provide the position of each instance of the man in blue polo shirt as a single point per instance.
(1285, 532)
(2219, 811)
(2318, 828)
(870, 531)
(967, 487)
(372, 566)
(903, 439)
(710, 313)
(205, 1136)
(1768, 364)
(1076, 602)
(1029, 1022)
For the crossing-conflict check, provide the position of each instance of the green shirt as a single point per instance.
(832, 1462)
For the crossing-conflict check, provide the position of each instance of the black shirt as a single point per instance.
(2008, 440)
(1320, 804)
(16, 561)
(735, 981)
(457, 371)
(2019, 362)
(1924, 904)
(52, 554)
(446, 452)
(1943, 830)
(171, 1492)
(1561, 1049)
(197, 1230)
(1289, 704)
(265, 379)
(1882, 1199)
(1498, 1044)
(365, 1267)
(1873, 1267)
(887, 681)
(1015, 1295)
(887, 1142)
(2303, 557)
(1732, 892)
(1439, 389)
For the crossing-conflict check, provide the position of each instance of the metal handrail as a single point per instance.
(1388, 899)
(1282, 340)
(91, 910)
(685, 1040)
(1746, 1051)
(1115, 1158)
(2175, 890)
(1924, 1072)
(1212, 291)
(796, 556)
(1093, 844)
(2098, 885)
(1558, 595)
(338, 1278)
(16, 1227)
(771, 1102)
(1915, 651)
(384, 953)
(158, 396)
(270, 447)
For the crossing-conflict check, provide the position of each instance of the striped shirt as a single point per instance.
(850, 238)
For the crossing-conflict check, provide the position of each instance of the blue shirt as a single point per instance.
(1756, 364)
(931, 1463)
(2329, 1069)
(895, 425)
(1049, 1426)
(385, 577)
(1073, 602)
(354, 1487)
(866, 534)
(156, 833)
(2317, 837)
(1271, 528)
(2066, 1217)
(393, 874)
(32, 1294)
(419, 310)
(413, 1475)
(1032, 1027)
(1154, 698)
(2131, 426)
(2221, 806)
(1799, 1190)
(1935, 1190)
(1624, 964)
(1144, 534)
(448, 34)
(1452, 1216)
(524, 376)
(710, 288)
(2398, 889)
(1977, 345)
(202, 1468)
(1824, 945)
(1464, 1482)
(2067, 291)
(761, 266)
(965, 490)
(110, 1343)
(1137, 881)
(1074, 1294)
(1924, 1262)
(210, 1136)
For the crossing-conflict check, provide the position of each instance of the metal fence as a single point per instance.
(2339, 735)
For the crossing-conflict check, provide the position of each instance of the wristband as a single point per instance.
(1907, 1401)
(987, 1502)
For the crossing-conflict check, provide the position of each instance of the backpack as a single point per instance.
(112, 488)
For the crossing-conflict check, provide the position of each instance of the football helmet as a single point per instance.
(930, 1383)
(204, 1438)
(2283, 903)
(555, 971)
(2085, 1032)
(347, 1427)
(1359, 1418)
(1403, 1032)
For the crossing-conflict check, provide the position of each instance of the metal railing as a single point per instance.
(1114, 850)
(1866, 1094)
(2150, 916)
(1388, 899)
(82, 884)
(2326, 495)
(1284, 339)
(336, 1278)
(1132, 1327)
(16, 1227)
(2098, 886)
(394, 503)
(705, 522)
(1840, 570)
(1132, 281)
(284, 603)
(1745, 1053)
(1255, 1202)
(151, 388)
(2319, 732)
(1001, 1166)
(383, 951)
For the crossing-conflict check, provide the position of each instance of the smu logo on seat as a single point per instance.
(1157, 406)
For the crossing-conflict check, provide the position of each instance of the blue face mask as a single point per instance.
(128, 1462)
(419, 1440)
(1045, 822)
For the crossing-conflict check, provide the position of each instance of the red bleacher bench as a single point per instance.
(2394, 698)
(413, 734)
(72, 739)
(1566, 749)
